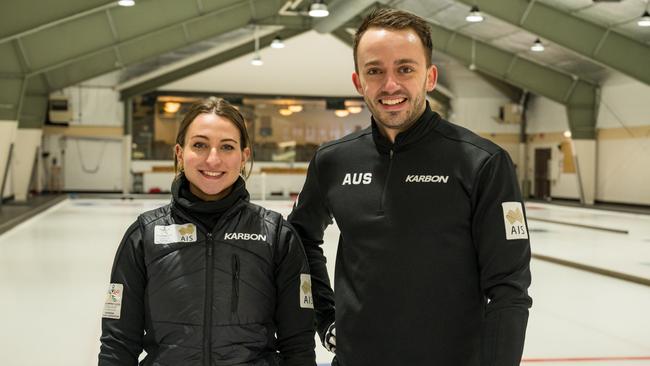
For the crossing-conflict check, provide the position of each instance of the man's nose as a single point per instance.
(390, 83)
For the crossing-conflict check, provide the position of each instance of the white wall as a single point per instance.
(24, 159)
(287, 71)
(547, 121)
(93, 103)
(7, 137)
(622, 151)
(92, 165)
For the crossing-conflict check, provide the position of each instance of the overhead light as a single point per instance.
(171, 107)
(474, 15)
(277, 43)
(257, 60)
(567, 134)
(644, 21)
(537, 46)
(354, 109)
(341, 112)
(295, 108)
(318, 9)
(126, 2)
(285, 112)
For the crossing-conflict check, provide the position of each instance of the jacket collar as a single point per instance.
(405, 139)
(189, 203)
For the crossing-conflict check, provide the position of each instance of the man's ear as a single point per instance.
(432, 77)
(357, 83)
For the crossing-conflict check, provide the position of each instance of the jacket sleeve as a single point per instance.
(123, 325)
(310, 217)
(294, 314)
(500, 235)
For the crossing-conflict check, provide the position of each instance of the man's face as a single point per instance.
(393, 77)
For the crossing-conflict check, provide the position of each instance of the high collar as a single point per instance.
(424, 124)
(187, 201)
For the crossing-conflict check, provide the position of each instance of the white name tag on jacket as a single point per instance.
(113, 303)
(168, 234)
(514, 220)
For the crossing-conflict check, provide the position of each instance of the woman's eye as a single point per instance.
(199, 145)
(227, 147)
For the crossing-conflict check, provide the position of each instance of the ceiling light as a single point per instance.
(257, 61)
(277, 43)
(285, 112)
(354, 109)
(341, 112)
(126, 2)
(567, 134)
(171, 107)
(537, 46)
(644, 21)
(474, 15)
(295, 108)
(318, 9)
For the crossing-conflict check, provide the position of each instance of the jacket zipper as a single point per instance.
(207, 325)
(383, 191)
(235, 284)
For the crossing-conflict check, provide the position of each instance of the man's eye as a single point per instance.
(406, 70)
(373, 71)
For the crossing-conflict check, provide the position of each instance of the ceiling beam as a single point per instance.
(177, 74)
(575, 93)
(341, 12)
(594, 41)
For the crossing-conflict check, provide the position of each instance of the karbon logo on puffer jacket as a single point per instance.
(244, 236)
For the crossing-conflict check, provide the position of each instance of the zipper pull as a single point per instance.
(209, 244)
(391, 154)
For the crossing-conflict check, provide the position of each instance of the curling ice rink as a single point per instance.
(54, 269)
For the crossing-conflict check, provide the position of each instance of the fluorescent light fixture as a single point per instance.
(644, 21)
(537, 46)
(318, 9)
(354, 109)
(126, 2)
(171, 107)
(474, 15)
(277, 43)
(341, 112)
(285, 112)
(257, 61)
(295, 108)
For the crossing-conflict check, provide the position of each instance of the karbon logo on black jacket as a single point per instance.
(244, 236)
(426, 178)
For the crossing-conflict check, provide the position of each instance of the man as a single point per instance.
(433, 258)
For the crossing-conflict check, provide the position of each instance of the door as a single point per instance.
(542, 183)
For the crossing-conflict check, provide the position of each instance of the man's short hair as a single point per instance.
(395, 20)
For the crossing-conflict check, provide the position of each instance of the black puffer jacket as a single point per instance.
(237, 294)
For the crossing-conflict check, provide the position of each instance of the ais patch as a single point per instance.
(113, 303)
(514, 220)
(306, 299)
(169, 234)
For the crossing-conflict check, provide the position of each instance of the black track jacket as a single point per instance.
(433, 259)
(232, 295)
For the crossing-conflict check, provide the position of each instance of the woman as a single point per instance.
(209, 279)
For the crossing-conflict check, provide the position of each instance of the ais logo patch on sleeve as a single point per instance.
(306, 300)
(515, 222)
(113, 303)
(168, 234)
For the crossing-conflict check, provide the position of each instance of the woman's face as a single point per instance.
(212, 157)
